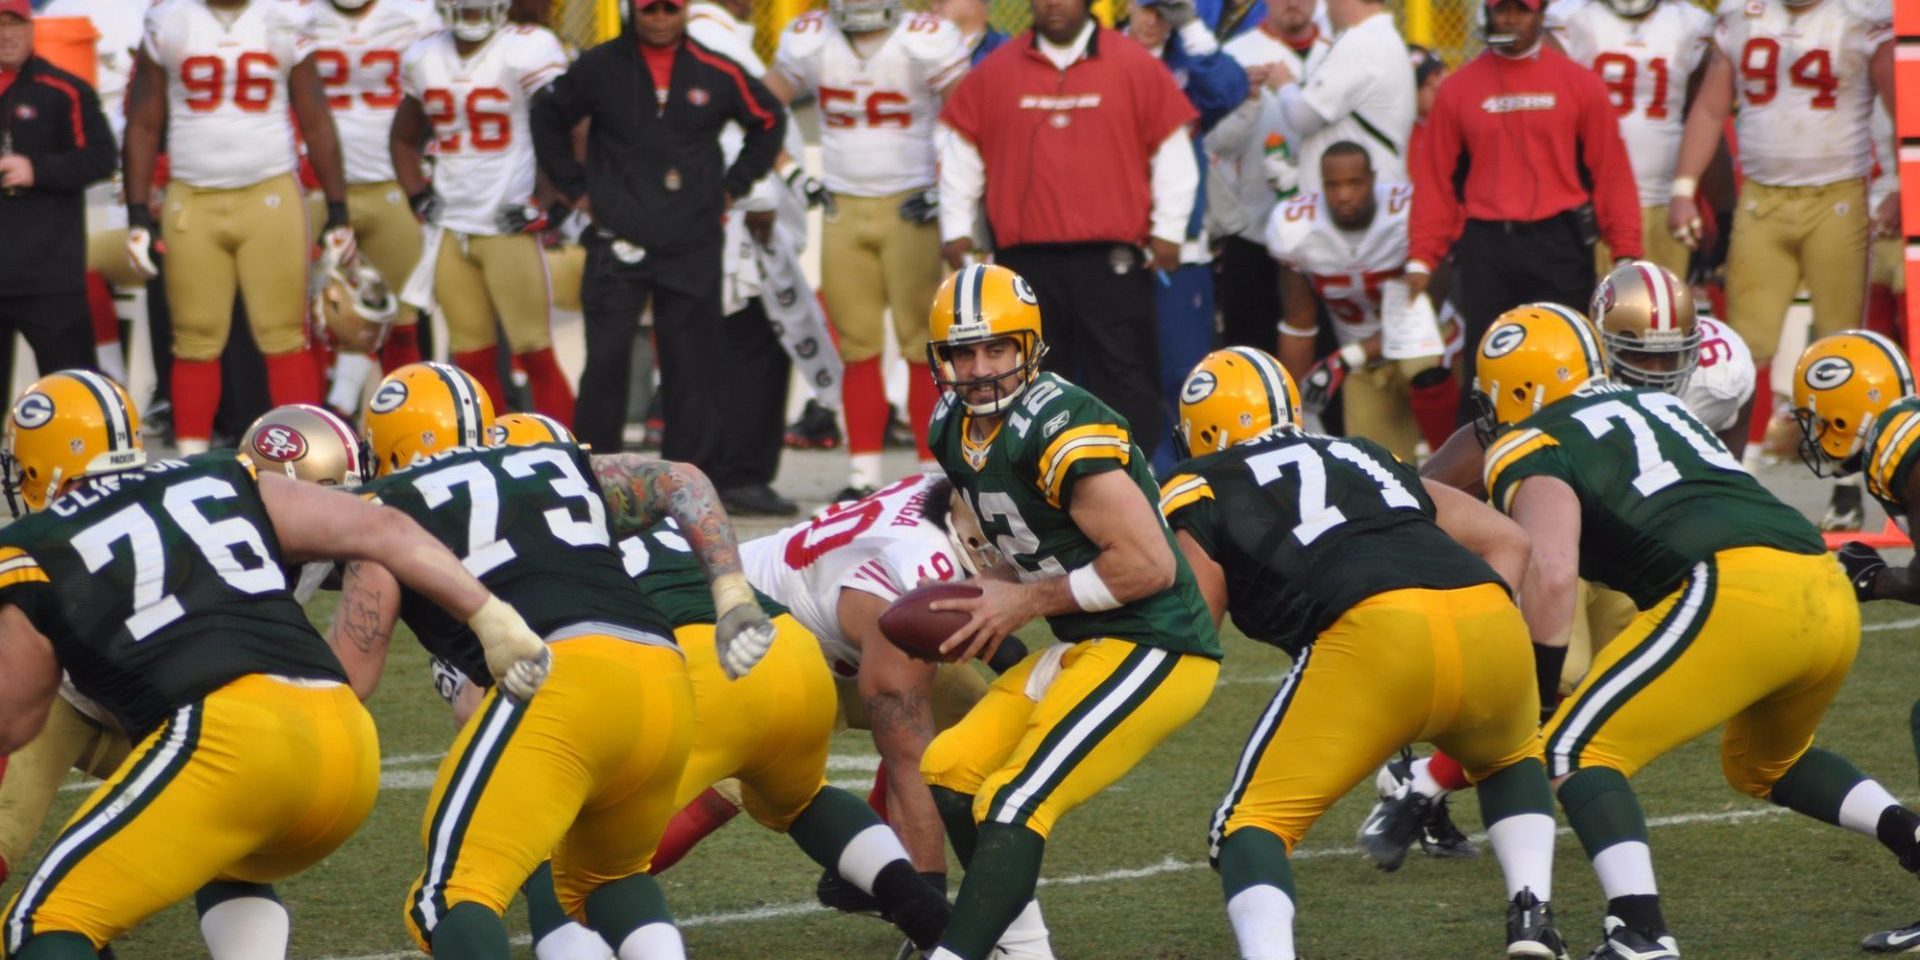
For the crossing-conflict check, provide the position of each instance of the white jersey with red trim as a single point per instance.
(358, 57)
(118, 22)
(1346, 267)
(1644, 63)
(877, 112)
(228, 122)
(1723, 381)
(477, 106)
(1804, 96)
(882, 544)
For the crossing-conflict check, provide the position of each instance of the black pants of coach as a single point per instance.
(1246, 288)
(59, 328)
(1502, 265)
(1097, 312)
(723, 379)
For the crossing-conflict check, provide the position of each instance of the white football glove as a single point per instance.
(140, 249)
(742, 634)
(337, 248)
(516, 656)
(1282, 173)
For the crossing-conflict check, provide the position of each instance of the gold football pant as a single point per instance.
(70, 740)
(769, 728)
(254, 783)
(1026, 762)
(1786, 236)
(1756, 638)
(1657, 244)
(251, 239)
(876, 263)
(479, 278)
(1375, 401)
(586, 772)
(1600, 614)
(1454, 667)
(385, 230)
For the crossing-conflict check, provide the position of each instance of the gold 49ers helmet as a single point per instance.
(354, 307)
(1840, 386)
(1531, 356)
(1232, 396)
(306, 443)
(422, 409)
(523, 429)
(67, 425)
(978, 305)
(1646, 319)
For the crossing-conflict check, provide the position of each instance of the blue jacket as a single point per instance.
(1211, 11)
(989, 42)
(1216, 85)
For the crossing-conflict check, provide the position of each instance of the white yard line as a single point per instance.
(1168, 865)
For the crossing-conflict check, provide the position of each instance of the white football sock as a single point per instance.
(1524, 845)
(111, 364)
(1626, 870)
(1423, 782)
(350, 372)
(869, 852)
(1861, 810)
(866, 469)
(1262, 918)
(655, 941)
(571, 941)
(1026, 936)
(246, 928)
(189, 446)
(942, 953)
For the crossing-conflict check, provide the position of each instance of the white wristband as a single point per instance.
(1355, 355)
(1089, 591)
(1685, 187)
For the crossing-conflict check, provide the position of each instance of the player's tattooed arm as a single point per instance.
(363, 623)
(896, 691)
(642, 491)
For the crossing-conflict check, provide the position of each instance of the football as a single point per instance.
(919, 630)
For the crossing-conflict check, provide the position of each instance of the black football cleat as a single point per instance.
(1530, 931)
(1900, 940)
(834, 892)
(1622, 942)
(816, 429)
(1439, 837)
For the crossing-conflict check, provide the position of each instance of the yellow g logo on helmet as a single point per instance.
(1232, 396)
(422, 409)
(1841, 385)
(69, 424)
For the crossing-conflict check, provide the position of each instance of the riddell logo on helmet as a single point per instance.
(1829, 372)
(33, 410)
(280, 444)
(1504, 340)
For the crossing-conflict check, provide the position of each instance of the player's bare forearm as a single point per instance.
(901, 722)
(641, 491)
(1550, 513)
(309, 101)
(1458, 462)
(318, 523)
(1706, 117)
(146, 114)
(404, 142)
(363, 624)
(29, 679)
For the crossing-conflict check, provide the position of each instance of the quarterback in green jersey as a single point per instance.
(1065, 494)
(1744, 619)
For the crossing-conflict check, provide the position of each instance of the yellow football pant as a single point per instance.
(251, 239)
(70, 740)
(875, 263)
(769, 728)
(1027, 762)
(1454, 667)
(256, 782)
(585, 772)
(1786, 236)
(1756, 638)
(479, 278)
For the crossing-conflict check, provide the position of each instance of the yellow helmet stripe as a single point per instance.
(1280, 401)
(119, 429)
(1894, 357)
(466, 405)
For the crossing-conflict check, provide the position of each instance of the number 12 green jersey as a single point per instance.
(1658, 493)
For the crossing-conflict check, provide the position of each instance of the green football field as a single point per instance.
(1126, 875)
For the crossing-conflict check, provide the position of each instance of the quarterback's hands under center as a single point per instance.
(742, 636)
(999, 610)
(516, 656)
(1863, 565)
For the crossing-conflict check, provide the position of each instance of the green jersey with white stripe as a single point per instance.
(1658, 493)
(1305, 527)
(531, 524)
(662, 564)
(1889, 453)
(159, 585)
(1020, 483)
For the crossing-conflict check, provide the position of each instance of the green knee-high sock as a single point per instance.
(544, 915)
(59, 945)
(470, 931)
(1252, 857)
(1521, 788)
(218, 892)
(1605, 814)
(623, 906)
(956, 812)
(1817, 784)
(999, 882)
(839, 831)
(829, 823)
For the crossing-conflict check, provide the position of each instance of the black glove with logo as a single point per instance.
(1863, 565)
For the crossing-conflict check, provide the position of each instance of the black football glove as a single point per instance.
(922, 207)
(811, 189)
(520, 218)
(1322, 382)
(427, 206)
(1863, 565)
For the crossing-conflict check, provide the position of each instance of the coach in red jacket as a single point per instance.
(1524, 143)
(1077, 138)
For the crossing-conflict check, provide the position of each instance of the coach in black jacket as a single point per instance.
(53, 143)
(657, 188)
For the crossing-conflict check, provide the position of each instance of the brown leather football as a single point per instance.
(919, 630)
